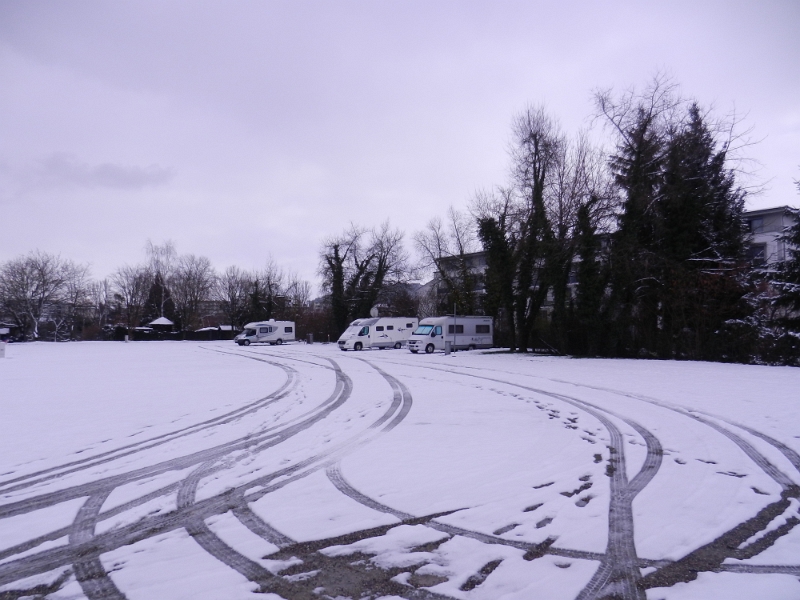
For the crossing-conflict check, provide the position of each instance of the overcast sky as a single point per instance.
(243, 130)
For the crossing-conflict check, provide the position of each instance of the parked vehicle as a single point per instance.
(378, 332)
(266, 332)
(463, 333)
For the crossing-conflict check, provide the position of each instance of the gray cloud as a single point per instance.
(65, 169)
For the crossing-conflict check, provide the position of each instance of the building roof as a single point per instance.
(161, 321)
(767, 211)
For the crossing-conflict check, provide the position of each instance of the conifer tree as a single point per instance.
(788, 283)
(587, 322)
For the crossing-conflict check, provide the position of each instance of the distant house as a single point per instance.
(9, 331)
(162, 324)
(766, 226)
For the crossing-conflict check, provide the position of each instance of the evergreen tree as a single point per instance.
(637, 172)
(700, 239)
(499, 283)
(159, 302)
(587, 321)
(788, 283)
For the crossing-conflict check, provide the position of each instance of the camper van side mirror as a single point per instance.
(433, 334)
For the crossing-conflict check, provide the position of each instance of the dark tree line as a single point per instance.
(47, 297)
(637, 251)
(640, 254)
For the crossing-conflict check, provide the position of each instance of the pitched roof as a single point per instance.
(161, 321)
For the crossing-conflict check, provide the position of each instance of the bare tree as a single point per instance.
(100, 297)
(298, 295)
(131, 285)
(336, 260)
(72, 298)
(444, 248)
(357, 266)
(267, 293)
(192, 283)
(231, 291)
(32, 285)
(162, 262)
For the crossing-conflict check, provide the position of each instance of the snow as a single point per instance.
(161, 321)
(473, 475)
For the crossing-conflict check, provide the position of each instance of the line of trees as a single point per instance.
(634, 251)
(49, 297)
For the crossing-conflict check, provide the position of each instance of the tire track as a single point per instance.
(211, 543)
(235, 499)
(257, 525)
(338, 480)
(710, 557)
(43, 475)
(88, 569)
(618, 573)
(250, 442)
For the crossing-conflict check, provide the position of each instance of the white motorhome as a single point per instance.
(377, 332)
(463, 333)
(266, 332)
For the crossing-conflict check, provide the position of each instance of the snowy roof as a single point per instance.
(161, 321)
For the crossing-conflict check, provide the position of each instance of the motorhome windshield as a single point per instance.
(423, 330)
(249, 332)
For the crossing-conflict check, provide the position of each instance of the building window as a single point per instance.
(757, 254)
(757, 225)
(481, 329)
(455, 329)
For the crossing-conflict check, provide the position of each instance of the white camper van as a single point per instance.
(379, 332)
(266, 332)
(463, 333)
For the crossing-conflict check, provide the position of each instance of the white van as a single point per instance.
(463, 333)
(379, 332)
(266, 332)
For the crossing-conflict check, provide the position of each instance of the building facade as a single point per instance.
(766, 228)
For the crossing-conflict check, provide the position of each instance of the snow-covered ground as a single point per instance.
(205, 470)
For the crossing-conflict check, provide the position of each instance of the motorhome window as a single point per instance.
(409, 325)
(287, 330)
(481, 329)
(423, 330)
(455, 329)
(263, 330)
(379, 328)
(249, 332)
(364, 331)
(438, 330)
(390, 328)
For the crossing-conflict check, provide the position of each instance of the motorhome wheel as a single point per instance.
(397, 345)
(429, 349)
(471, 347)
(280, 341)
(246, 343)
(357, 346)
